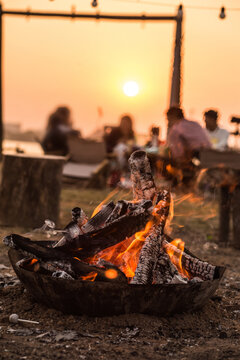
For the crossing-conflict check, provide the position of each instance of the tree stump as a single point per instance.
(224, 215)
(236, 217)
(30, 189)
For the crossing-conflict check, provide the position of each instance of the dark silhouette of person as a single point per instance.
(59, 127)
(185, 137)
(123, 133)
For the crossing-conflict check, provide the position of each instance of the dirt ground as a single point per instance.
(212, 333)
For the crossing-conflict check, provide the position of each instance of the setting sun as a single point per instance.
(131, 88)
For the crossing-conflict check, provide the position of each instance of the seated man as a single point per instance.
(185, 138)
(218, 136)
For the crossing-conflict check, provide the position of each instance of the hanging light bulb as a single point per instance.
(180, 10)
(94, 3)
(222, 14)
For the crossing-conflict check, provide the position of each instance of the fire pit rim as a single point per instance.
(100, 298)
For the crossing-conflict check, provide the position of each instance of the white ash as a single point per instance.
(60, 274)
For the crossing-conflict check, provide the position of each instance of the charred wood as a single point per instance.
(148, 258)
(120, 209)
(141, 176)
(74, 228)
(162, 208)
(151, 252)
(53, 259)
(98, 221)
(164, 272)
(194, 266)
(87, 245)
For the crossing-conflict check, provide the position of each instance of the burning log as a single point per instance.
(53, 259)
(151, 252)
(89, 244)
(98, 221)
(193, 266)
(148, 257)
(141, 176)
(120, 209)
(164, 272)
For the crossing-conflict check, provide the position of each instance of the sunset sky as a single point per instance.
(84, 64)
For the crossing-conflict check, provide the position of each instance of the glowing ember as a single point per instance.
(111, 274)
(33, 261)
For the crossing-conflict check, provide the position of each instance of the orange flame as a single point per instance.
(175, 172)
(33, 261)
(125, 255)
(32, 265)
(176, 256)
(89, 277)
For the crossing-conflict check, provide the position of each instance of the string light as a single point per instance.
(94, 3)
(222, 14)
(197, 7)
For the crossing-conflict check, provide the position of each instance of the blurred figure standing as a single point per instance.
(59, 127)
(217, 135)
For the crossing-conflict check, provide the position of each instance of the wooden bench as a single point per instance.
(229, 200)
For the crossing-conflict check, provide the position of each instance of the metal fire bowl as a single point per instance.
(106, 299)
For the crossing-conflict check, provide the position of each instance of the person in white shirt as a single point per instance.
(217, 135)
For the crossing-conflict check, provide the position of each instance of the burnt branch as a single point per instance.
(164, 270)
(98, 221)
(151, 252)
(74, 228)
(148, 257)
(194, 266)
(87, 245)
(52, 259)
(141, 176)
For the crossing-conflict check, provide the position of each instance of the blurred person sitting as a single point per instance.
(120, 143)
(217, 135)
(123, 133)
(185, 137)
(59, 127)
(152, 146)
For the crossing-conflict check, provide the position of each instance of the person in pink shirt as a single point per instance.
(185, 138)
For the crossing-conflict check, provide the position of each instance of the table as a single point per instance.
(229, 199)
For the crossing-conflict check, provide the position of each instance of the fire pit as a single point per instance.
(119, 261)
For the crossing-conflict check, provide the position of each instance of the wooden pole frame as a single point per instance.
(176, 73)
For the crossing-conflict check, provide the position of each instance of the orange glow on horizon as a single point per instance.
(84, 64)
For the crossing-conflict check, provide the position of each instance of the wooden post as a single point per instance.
(176, 74)
(30, 189)
(1, 115)
(224, 215)
(236, 217)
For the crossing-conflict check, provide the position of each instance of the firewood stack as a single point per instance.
(85, 238)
